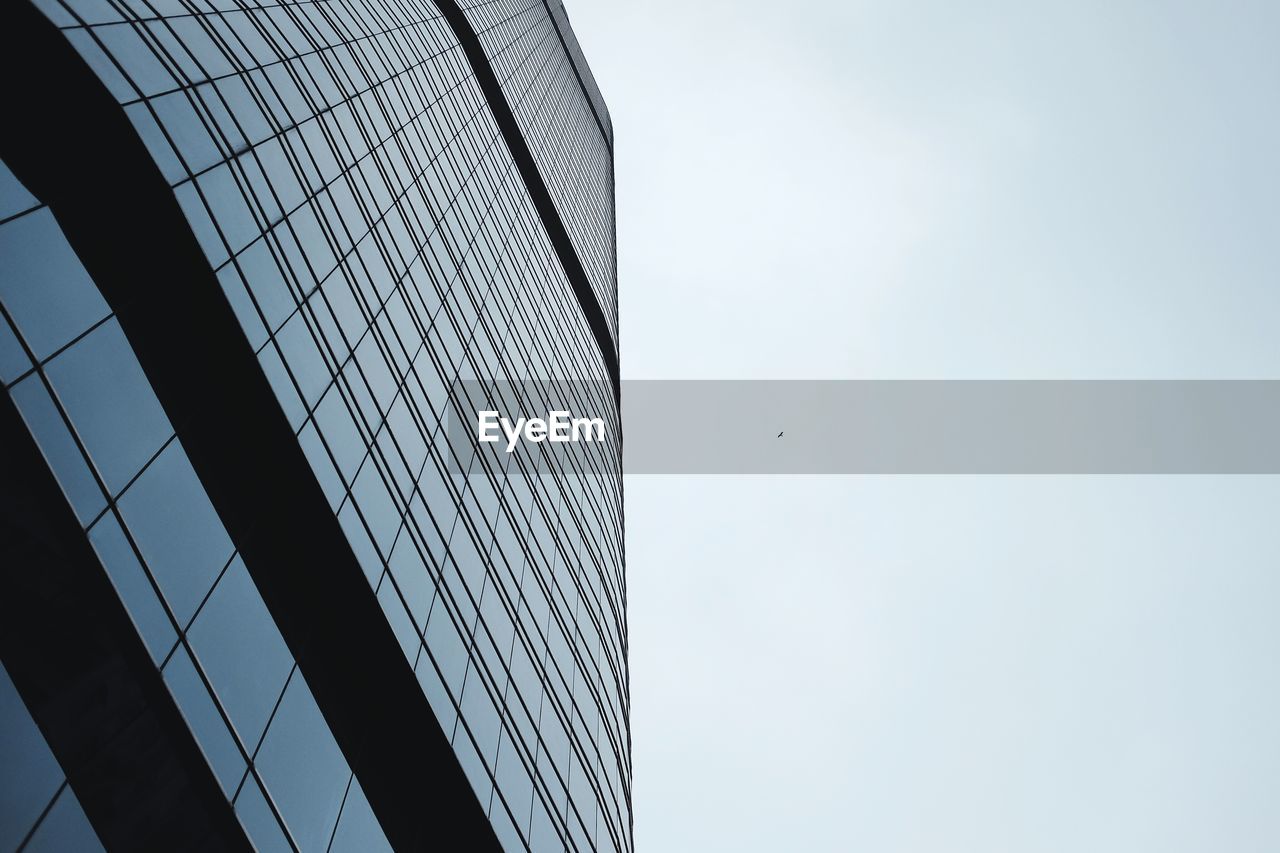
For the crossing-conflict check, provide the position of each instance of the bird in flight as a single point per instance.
(780, 434)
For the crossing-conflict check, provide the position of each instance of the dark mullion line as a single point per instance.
(21, 213)
(341, 808)
(44, 813)
(251, 770)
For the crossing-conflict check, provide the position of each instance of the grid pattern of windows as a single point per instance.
(69, 369)
(347, 183)
(559, 121)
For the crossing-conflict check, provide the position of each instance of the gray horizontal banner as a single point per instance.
(930, 427)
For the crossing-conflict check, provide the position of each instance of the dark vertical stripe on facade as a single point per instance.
(605, 127)
(536, 187)
(125, 225)
(85, 676)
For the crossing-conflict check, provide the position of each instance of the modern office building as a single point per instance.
(247, 247)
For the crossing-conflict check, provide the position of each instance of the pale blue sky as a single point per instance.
(921, 189)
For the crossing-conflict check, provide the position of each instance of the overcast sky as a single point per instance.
(929, 189)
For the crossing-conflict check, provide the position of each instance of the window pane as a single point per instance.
(13, 361)
(242, 652)
(110, 403)
(303, 768)
(206, 723)
(133, 587)
(42, 284)
(55, 441)
(177, 530)
(14, 197)
(30, 775)
(64, 828)
(358, 829)
(260, 824)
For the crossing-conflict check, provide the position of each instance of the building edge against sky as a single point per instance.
(245, 251)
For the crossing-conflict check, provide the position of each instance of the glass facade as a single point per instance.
(38, 810)
(348, 185)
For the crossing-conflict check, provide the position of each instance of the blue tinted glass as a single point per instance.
(13, 361)
(480, 715)
(42, 284)
(110, 403)
(177, 530)
(179, 118)
(29, 774)
(513, 780)
(230, 209)
(340, 432)
(99, 62)
(282, 385)
(64, 829)
(358, 829)
(241, 651)
(267, 283)
(206, 723)
(376, 372)
(543, 834)
(435, 692)
(472, 766)
(305, 227)
(399, 619)
(191, 35)
(246, 313)
(58, 448)
(448, 648)
(334, 491)
(93, 11)
(366, 554)
(244, 107)
(259, 823)
(411, 575)
(504, 828)
(377, 506)
(303, 357)
(161, 151)
(14, 197)
(140, 62)
(303, 768)
(201, 225)
(133, 587)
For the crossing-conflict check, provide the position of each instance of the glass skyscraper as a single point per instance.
(249, 600)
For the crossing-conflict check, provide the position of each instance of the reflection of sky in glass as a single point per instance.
(933, 190)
